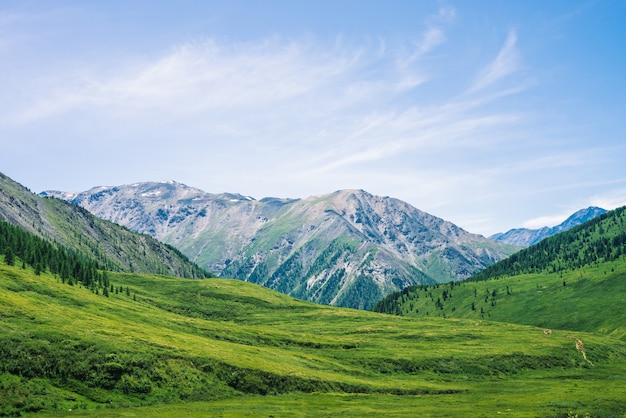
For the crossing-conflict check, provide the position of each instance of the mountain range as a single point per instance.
(106, 340)
(525, 237)
(106, 343)
(112, 246)
(347, 248)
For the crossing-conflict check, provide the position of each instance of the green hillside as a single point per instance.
(598, 240)
(575, 280)
(162, 346)
(110, 245)
(590, 299)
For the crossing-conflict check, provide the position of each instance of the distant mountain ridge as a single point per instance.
(112, 246)
(346, 248)
(525, 237)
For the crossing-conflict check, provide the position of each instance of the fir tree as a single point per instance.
(9, 258)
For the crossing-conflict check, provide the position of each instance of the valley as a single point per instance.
(540, 333)
(225, 347)
(314, 209)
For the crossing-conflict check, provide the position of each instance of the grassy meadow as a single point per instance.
(160, 346)
(586, 299)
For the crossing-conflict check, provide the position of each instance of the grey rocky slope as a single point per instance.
(112, 246)
(525, 237)
(347, 248)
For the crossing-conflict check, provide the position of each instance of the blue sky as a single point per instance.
(490, 114)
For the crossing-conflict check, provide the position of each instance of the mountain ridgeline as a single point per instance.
(347, 248)
(111, 246)
(525, 237)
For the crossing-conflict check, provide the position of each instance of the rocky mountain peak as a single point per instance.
(580, 217)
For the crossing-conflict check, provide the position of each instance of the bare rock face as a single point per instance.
(347, 248)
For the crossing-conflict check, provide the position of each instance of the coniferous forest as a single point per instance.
(20, 246)
(601, 239)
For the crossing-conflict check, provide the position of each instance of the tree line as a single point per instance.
(18, 245)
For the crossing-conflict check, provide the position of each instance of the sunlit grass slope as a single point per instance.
(228, 348)
(588, 299)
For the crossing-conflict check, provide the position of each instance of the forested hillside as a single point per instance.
(599, 240)
(112, 246)
(575, 280)
(71, 267)
(42, 255)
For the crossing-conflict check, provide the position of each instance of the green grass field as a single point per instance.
(176, 347)
(586, 299)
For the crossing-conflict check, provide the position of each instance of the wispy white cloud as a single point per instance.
(446, 13)
(382, 136)
(549, 221)
(432, 37)
(610, 199)
(343, 114)
(288, 88)
(203, 76)
(506, 63)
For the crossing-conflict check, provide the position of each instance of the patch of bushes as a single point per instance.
(485, 366)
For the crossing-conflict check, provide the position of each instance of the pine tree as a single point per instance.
(9, 257)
